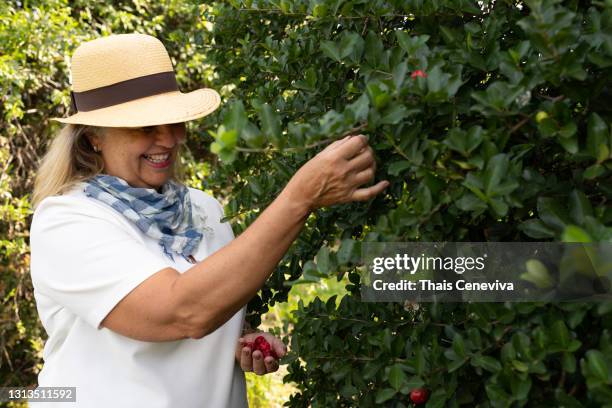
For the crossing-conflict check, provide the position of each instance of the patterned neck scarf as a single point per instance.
(166, 217)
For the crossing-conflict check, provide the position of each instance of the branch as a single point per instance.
(300, 148)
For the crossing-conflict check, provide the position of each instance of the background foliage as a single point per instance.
(506, 138)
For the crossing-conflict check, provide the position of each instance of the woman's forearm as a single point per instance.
(213, 290)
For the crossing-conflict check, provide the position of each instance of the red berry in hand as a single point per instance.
(262, 345)
(418, 395)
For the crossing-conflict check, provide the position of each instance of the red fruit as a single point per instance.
(418, 73)
(418, 395)
(262, 345)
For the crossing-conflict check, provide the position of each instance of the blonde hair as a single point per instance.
(71, 159)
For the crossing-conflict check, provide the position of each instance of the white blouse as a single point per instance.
(86, 257)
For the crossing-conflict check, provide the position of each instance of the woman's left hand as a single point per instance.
(254, 360)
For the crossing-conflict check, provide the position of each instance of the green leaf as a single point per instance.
(399, 74)
(351, 43)
(496, 393)
(309, 83)
(573, 233)
(311, 272)
(552, 213)
(379, 96)
(536, 229)
(579, 206)
(434, 80)
(410, 43)
(370, 369)
(270, 124)
(459, 345)
(594, 171)
(569, 362)
(252, 135)
(227, 137)
(393, 115)
(462, 142)
(360, 108)
(570, 144)
(412, 383)
(348, 390)
(568, 130)
(560, 334)
(500, 208)
(597, 365)
(420, 363)
(469, 202)
(373, 47)
(597, 135)
(520, 387)
(322, 260)
(345, 252)
(455, 365)
(474, 184)
(537, 273)
(496, 169)
(216, 147)
(397, 167)
(384, 394)
(396, 376)
(236, 117)
(330, 49)
(520, 366)
(487, 362)
(437, 398)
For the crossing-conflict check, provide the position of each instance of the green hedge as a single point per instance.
(507, 138)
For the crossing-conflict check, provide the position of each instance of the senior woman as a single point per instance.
(140, 287)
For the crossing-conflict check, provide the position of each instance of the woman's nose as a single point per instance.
(168, 136)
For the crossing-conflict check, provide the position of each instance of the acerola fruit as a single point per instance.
(418, 395)
(418, 73)
(262, 345)
(540, 116)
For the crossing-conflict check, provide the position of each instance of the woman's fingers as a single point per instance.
(364, 194)
(363, 160)
(246, 360)
(352, 146)
(271, 364)
(258, 363)
(364, 176)
(279, 348)
(254, 360)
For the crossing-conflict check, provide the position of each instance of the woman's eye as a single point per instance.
(148, 129)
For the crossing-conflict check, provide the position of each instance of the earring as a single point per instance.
(96, 149)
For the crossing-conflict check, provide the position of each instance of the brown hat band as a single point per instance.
(124, 91)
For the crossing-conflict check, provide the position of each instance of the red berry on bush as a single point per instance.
(418, 73)
(418, 395)
(262, 345)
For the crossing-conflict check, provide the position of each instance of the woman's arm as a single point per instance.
(170, 305)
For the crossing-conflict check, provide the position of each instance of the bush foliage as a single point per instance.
(505, 137)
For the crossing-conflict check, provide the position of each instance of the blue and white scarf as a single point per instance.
(166, 217)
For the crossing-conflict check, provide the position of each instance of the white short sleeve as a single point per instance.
(85, 258)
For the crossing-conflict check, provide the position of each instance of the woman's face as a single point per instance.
(143, 157)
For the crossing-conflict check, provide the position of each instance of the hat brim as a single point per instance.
(165, 108)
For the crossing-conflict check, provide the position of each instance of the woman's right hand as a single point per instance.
(334, 175)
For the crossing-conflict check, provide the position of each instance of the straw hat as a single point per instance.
(127, 80)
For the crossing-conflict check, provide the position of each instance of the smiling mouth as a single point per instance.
(157, 158)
